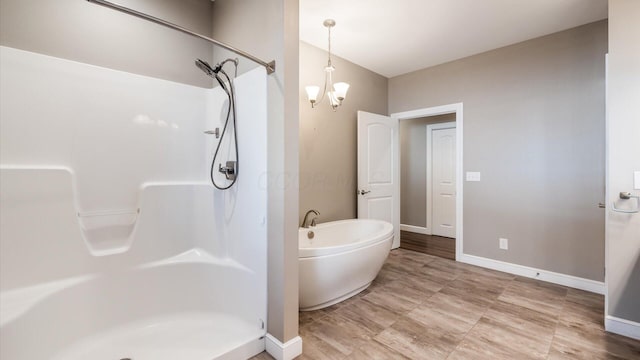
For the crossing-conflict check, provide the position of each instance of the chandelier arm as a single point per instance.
(324, 90)
(330, 86)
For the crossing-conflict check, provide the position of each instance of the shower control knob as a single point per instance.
(229, 171)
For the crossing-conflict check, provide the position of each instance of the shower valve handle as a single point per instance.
(229, 171)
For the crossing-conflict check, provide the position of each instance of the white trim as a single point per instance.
(429, 178)
(459, 180)
(539, 274)
(606, 187)
(622, 327)
(244, 351)
(432, 111)
(286, 351)
(415, 229)
(442, 126)
(396, 188)
(457, 109)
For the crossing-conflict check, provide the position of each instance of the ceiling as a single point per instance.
(399, 36)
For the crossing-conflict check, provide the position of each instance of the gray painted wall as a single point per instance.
(623, 230)
(534, 127)
(413, 168)
(328, 139)
(81, 31)
(268, 29)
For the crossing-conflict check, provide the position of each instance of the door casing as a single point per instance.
(457, 109)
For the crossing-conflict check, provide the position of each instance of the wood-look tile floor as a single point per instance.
(429, 244)
(426, 307)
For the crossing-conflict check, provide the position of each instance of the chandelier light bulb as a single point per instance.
(312, 93)
(341, 89)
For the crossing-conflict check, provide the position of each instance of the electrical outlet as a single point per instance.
(504, 244)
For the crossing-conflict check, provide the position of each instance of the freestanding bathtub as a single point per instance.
(339, 259)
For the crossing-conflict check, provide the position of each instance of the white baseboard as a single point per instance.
(286, 351)
(622, 327)
(415, 229)
(539, 274)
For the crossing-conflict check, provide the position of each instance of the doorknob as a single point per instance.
(362, 192)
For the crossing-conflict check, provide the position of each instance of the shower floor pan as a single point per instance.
(185, 336)
(189, 307)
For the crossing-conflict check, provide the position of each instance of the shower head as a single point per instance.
(206, 68)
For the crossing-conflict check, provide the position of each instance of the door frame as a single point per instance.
(429, 149)
(457, 109)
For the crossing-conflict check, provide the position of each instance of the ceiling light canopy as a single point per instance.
(335, 92)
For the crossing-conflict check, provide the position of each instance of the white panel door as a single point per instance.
(378, 170)
(444, 182)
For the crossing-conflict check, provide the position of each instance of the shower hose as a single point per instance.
(226, 84)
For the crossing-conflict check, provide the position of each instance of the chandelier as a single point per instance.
(335, 92)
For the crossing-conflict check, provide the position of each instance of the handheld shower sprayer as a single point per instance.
(230, 171)
(207, 69)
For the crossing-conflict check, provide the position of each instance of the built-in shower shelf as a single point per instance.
(108, 232)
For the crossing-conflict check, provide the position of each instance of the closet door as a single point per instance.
(444, 182)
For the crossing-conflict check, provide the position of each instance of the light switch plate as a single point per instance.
(473, 176)
(636, 180)
(504, 243)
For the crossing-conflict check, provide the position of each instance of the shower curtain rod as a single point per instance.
(270, 66)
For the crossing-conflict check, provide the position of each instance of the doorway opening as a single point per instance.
(428, 185)
(431, 180)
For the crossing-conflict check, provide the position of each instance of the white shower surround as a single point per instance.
(183, 277)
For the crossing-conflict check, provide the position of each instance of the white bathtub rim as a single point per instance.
(349, 251)
(342, 249)
(374, 238)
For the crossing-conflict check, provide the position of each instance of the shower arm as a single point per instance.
(270, 66)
